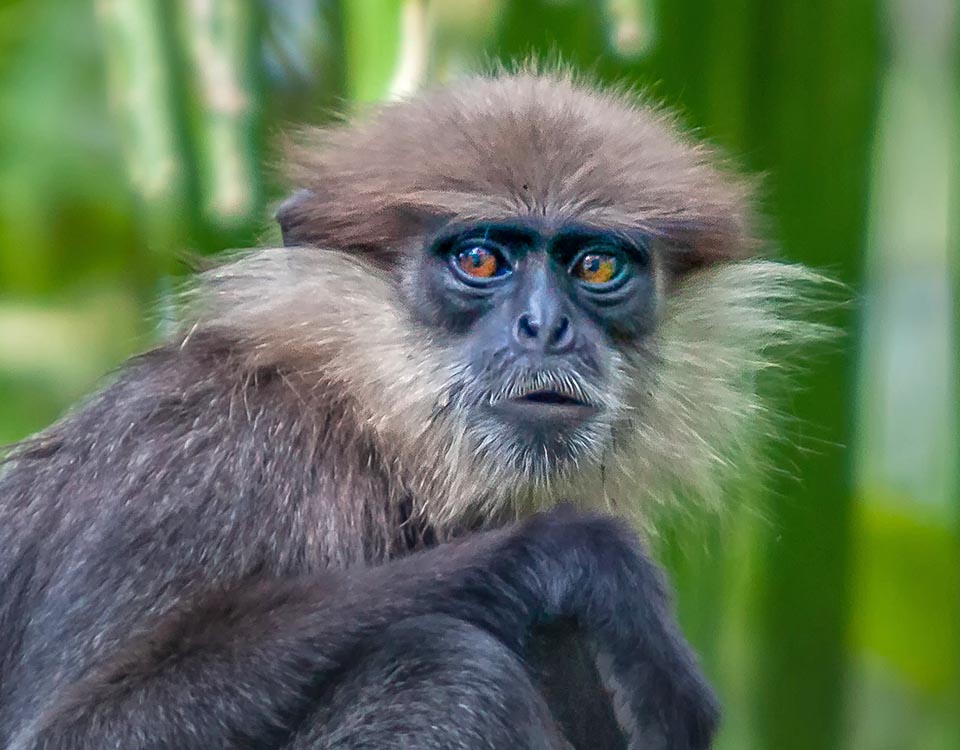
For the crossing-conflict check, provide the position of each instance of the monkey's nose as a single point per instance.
(554, 336)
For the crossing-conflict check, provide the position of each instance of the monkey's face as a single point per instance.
(540, 231)
(542, 282)
(540, 316)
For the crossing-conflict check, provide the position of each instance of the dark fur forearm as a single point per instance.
(240, 667)
(237, 667)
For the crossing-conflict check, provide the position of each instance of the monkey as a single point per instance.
(327, 512)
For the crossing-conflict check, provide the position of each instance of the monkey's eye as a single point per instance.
(479, 260)
(598, 267)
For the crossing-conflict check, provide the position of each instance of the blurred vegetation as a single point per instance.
(827, 603)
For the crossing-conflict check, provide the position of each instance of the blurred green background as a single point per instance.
(826, 603)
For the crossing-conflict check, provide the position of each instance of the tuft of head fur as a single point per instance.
(332, 310)
(515, 145)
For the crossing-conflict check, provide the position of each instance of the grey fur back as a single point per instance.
(182, 433)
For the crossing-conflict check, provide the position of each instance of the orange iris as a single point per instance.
(478, 262)
(597, 268)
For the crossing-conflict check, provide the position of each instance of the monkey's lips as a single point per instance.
(546, 407)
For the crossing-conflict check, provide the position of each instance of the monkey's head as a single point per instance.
(525, 287)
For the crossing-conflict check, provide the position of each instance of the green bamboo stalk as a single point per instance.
(809, 114)
(954, 193)
(221, 42)
(791, 88)
(902, 410)
(372, 43)
(415, 44)
(908, 242)
(138, 65)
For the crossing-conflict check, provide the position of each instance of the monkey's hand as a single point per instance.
(594, 571)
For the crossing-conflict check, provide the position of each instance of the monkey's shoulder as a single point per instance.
(191, 419)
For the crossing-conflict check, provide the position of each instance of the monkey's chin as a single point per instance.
(545, 437)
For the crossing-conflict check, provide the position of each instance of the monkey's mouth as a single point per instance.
(550, 398)
(545, 407)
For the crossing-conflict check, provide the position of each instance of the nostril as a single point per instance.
(561, 337)
(527, 327)
(560, 330)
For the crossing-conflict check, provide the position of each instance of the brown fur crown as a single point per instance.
(514, 145)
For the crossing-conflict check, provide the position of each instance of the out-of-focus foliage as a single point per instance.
(826, 603)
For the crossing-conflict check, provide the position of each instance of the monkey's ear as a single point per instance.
(291, 216)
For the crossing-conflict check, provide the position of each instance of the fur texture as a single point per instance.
(508, 146)
(686, 397)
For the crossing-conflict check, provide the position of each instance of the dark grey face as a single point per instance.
(540, 316)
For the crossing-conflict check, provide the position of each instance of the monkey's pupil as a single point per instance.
(597, 269)
(478, 262)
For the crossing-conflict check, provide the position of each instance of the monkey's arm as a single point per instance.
(241, 667)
